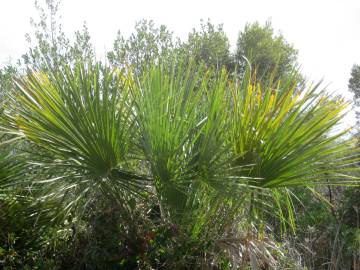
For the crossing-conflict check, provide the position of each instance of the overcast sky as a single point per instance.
(326, 32)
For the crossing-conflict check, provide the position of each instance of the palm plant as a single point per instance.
(181, 117)
(289, 135)
(79, 124)
(204, 145)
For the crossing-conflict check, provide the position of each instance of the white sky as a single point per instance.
(326, 32)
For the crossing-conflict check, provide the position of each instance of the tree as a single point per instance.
(354, 87)
(354, 81)
(6, 83)
(265, 50)
(49, 46)
(146, 45)
(209, 45)
(82, 47)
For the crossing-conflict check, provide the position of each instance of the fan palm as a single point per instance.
(289, 135)
(79, 124)
(201, 143)
(181, 117)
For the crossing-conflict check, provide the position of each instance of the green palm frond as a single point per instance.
(181, 118)
(289, 134)
(11, 170)
(80, 120)
(205, 144)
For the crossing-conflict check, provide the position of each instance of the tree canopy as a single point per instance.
(266, 51)
(209, 45)
(354, 81)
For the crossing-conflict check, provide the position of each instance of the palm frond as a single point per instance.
(80, 120)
